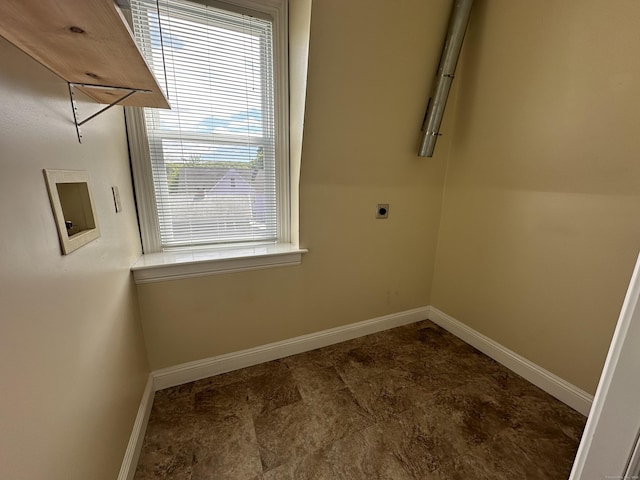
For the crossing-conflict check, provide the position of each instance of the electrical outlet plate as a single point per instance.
(382, 210)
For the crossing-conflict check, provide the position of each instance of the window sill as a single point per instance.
(174, 265)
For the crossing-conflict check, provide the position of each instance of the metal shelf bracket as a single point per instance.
(74, 105)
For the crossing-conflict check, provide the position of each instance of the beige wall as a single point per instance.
(72, 359)
(540, 225)
(537, 241)
(370, 65)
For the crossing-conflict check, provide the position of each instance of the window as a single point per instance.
(213, 170)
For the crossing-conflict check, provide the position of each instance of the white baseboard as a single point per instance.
(547, 381)
(552, 384)
(132, 454)
(192, 371)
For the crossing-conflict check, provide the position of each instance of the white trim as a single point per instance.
(132, 454)
(192, 371)
(177, 264)
(552, 384)
(144, 188)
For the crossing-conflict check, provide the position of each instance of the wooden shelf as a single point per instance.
(82, 41)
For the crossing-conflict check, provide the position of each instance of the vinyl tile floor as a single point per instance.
(413, 402)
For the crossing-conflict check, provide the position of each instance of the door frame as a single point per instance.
(611, 431)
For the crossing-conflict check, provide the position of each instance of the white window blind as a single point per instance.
(213, 155)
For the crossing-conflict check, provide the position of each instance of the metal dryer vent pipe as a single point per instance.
(444, 77)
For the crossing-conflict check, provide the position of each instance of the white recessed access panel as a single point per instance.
(73, 208)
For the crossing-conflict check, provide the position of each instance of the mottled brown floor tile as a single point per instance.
(545, 431)
(388, 394)
(424, 448)
(411, 334)
(306, 426)
(366, 341)
(218, 403)
(164, 462)
(226, 449)
(239, 375)
(364, 362)
(165, 434)
(532, 404)
(474, 363)
(429, 332)
(501, 459)
(320, 357)
(484, 426)
(290, 431)
(178, 391)
(359, 456)
(437, 374)
(400, 350)
(312, 380)
(272, 390)
(471, 413)
(413, 402)
(167, 407)
(167, 450)
(550, 456)
(529, 408)
(171, 423)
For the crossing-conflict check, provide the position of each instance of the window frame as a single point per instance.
(277, 11)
